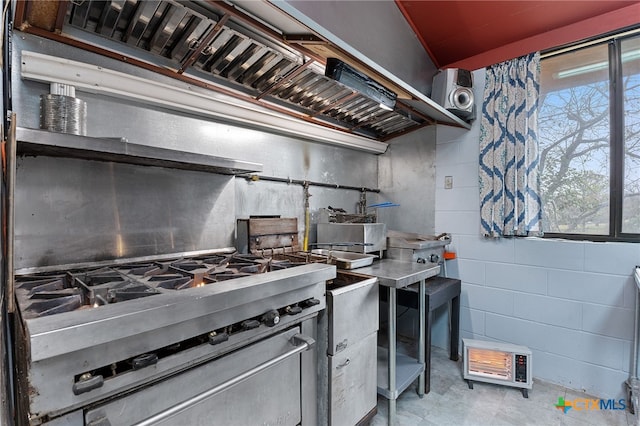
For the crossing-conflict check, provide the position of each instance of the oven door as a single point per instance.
(256, 385)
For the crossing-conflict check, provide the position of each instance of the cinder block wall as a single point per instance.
(571, 302)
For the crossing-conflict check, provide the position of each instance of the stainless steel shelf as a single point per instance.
(407, 370)
(395, 275)
(399, 274)
(41, 142)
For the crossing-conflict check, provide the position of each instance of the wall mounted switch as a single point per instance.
(448, 182)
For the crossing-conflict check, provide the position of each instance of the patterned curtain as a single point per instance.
(509, 198)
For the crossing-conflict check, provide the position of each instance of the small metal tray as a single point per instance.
(346, 259)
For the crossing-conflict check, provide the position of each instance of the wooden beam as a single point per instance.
(62, 12)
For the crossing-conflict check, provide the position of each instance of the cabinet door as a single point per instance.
(353, 313)
(352, 382)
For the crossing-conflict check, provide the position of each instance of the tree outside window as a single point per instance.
(586, 150)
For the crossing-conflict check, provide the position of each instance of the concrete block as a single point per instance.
(594, 380)
(458, 198)
(516, 277)
(447, 153)
(464, 174)
(446, 134)
(608, 321)
(486, 249)
(588, 287)
(548, 310)
(630, 291)
(459, 222)
(472, 271)
(550, 253)
(574, 344)
(487, 299)
(472, 320)
(519, 332)
(627, 352)
(611, 258)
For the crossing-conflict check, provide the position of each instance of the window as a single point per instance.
(589, 133)
(631, 136)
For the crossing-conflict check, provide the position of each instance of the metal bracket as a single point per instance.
(300, 339)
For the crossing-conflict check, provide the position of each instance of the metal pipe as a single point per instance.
(633, 383)
(11, 186)
(636, 338)
(304, 342)
(256, 178)
(392, 357)
(421, 338)
(305, 241)
(634, 367)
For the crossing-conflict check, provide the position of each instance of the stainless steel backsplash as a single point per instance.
(72, 210)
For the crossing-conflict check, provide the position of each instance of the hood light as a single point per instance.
(353, 79)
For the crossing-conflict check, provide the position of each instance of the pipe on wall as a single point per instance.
(256, 178)
(305, 185)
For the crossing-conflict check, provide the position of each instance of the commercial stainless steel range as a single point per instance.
(207, 338)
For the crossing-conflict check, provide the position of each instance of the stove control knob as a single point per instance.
(144, 360)
(87, 382)
(271, 318)
(217, 338)
(421, 260)
(293, 310)
(433, 258)
(250, 324)
(310, 302)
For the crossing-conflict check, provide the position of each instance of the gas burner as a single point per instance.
(47, 294)
(54, 304)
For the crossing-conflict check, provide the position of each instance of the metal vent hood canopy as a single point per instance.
(221, 46)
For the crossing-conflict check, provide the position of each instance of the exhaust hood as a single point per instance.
(218, 46)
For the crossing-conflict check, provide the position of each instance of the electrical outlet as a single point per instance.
(448, 182)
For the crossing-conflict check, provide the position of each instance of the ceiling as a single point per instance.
(475, 34)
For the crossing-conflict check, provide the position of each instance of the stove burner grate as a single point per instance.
(64, 291)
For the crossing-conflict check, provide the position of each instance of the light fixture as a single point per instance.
(350, 77)
(584, 69)
(598, 66)
(183, 97)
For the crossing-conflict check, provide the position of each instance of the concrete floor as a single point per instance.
(451, 402)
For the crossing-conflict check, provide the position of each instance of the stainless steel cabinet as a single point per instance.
(352, 304)
(353, 382)
(351, 326)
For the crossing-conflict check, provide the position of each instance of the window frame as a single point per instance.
(616, 145)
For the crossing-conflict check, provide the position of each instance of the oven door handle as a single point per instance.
(301, 342)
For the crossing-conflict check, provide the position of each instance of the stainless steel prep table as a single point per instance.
(397, 372)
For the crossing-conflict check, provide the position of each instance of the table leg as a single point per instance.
(455, 328)
(427, 350)
(421, 340)
(392, 355)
